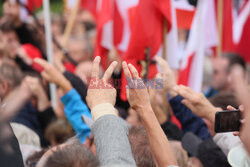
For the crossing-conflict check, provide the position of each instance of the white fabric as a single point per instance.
(238, 157)
(25, 135)
(172, 43)
(239, 22)
(203, 36)
(226, 141)
(123, 7)
(101, 110)
(107, 35)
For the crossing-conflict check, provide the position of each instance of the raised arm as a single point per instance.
(189, 121)
(139, 100)
(110, 131)
(74, 107)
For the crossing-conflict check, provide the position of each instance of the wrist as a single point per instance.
(65, 85)
(144, 111)
(102, 109)
(172, 93)
(211, 115)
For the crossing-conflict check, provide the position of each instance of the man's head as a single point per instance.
(140, 147)
(221, 70)
(69, 154)
(80, 49)
(10, 77)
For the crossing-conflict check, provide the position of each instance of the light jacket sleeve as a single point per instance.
(74, 108)
(112, 143)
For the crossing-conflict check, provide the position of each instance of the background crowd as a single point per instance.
(168, 126)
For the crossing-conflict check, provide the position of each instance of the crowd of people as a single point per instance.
(163, 125)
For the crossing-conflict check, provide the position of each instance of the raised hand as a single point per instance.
(169, 80)
(197, 103)
(138, 96)
(139, 100)
(37, 90)
(99, 90)
(51, 74)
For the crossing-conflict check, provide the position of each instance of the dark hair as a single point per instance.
(72, 155)
(34, 158)
(59, 130)
(234, 59)
(140, 147)
(223, 99)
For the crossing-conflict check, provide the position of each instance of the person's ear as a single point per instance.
(4, 86)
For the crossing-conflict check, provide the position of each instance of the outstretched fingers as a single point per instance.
(133, 71)
(126, 70)
(184, 91)
(95, 67)
(108, 73)
(162, 63)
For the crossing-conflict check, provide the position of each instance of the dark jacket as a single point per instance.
(189, 121)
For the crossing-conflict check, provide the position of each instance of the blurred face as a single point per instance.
(83, 70)
(133, 118)
(10, 36)
(220, 74)
(76, 51)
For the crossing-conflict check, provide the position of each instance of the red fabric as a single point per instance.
(33, 52)
(118, 26)
(175, 121)
(183, 77)
(146, 32)
(89, 5)
(243, 47)
(70, 67)
(227, 33)
(104, 15)
(34, 4)
(184, 18)
(147, 29)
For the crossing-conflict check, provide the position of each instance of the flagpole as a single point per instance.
(48, 36)
(219, 20)
(70, 24)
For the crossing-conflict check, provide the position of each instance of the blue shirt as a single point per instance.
(74, 108)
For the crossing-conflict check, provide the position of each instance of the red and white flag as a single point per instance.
(114, 21)
(147, 32)
(236, 32)
(203, 36)
(104, 38)
(184, 13)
